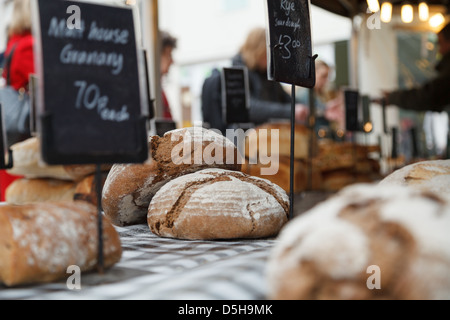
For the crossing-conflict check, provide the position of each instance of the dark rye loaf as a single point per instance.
(129, 188)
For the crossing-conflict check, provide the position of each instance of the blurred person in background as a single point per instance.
(434, 95)
(268, 99)
(168, 44)
(20, 45)
(329, 106)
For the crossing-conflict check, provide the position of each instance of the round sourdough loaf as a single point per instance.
(129, 188)
(39, 241)
(366, 242)
(218, 204)
(432, 176)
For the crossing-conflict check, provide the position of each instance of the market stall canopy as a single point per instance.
(350, 8)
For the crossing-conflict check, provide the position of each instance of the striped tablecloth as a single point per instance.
(154, 268)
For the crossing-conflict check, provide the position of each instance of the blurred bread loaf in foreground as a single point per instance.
(366, 242)
(39, 241)
(218, 204)
(432, 176)
(129, 188)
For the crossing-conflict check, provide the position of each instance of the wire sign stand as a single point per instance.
(290, 57)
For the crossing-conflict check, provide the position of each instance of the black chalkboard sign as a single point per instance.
(235, 95)
(92, 102)
(352, 110)
(289, 37)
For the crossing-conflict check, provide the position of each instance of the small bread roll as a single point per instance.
(218, 204)
(25, 191)
(28, 163)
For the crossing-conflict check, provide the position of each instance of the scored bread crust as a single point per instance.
(129, 188)
(39, 241)
(218, 204)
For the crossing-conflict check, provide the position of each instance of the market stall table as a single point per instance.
(167, 269)
(155, 268)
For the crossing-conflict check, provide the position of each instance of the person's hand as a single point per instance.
(301, 113)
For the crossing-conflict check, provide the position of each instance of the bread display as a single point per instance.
(39, 241)
(129, 188)
(218, 204)
(366, 242)
(327, 166)
(282, 175)
(25, 191)
(278, 135)
(432, 176)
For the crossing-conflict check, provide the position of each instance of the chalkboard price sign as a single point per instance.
(92, 98)
(235, 96)
(289, 39)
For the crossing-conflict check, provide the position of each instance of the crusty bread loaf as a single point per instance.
(129, 188)
(38, 242)
(24, 191)
(432, 176)
(260, 141)
(28, 163)
(218, 204)
(366, 242)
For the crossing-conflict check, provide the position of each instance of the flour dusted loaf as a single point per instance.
(129, 188)
(218, 204)
(28, 163)
(432, 176)
(366, 242)
(39, 241)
